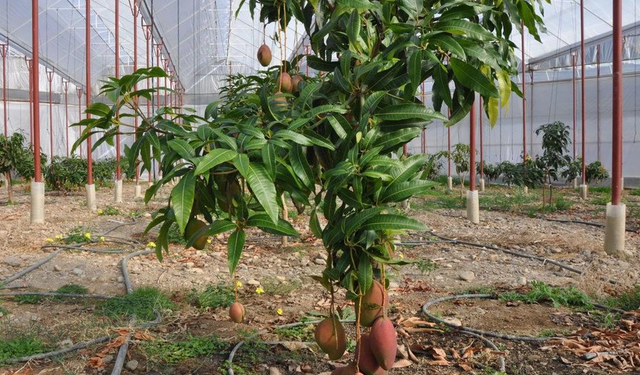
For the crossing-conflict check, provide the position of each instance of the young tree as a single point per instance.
(328, 146)
(555, 139)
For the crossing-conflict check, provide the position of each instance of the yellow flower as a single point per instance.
(279, 311)
(238, 284)
(400, 255)
(151, 245)
(208, 240)
(49, 239)
(259, 290)
(58, 237)
(101, 238)
(87, 235)
(100, 212)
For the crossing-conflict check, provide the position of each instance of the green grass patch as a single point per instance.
(541, 292)
(426, 265)
(28, 299)
(508, 202)
(601, 189)
(175, 351)
(214, 296)
(21, 346)
(109, 211)
(141, 303)
(629, 300)
(297, 333)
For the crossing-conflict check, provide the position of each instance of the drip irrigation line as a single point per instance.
(599, 225)
(120, 225)
(425, 311)
(125, 272)
(30, 268)
(79, 346)
(80, 248)
(494, 347)
(46, 294)
(521, 255)
(122, 356)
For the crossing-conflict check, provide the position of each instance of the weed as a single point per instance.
(142, 302)
(273, 286)
(635, 191)
(224, 368)
(479, 290)
(3, 311)
(71, 289)
(540, 292)
(28, 299)
(174, 236)
(78, 235)
(21, 346)
(214, 296)
(170, 351)
(562, 204)
(298, 333)
(426, 265)
(109, 211)
(599, 201)
(629, 300)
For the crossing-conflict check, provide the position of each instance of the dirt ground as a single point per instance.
(442, 268)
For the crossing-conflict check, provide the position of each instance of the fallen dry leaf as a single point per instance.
(402, 363)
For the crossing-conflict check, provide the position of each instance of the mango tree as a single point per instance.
(331, 144)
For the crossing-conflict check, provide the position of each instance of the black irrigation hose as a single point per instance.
(122, 356)
(519, 254)
(120, 225)
(599, 225)
(44, 294)
(125, 272)
(425, 311)
(30, 268)
(81, 248)
(79, 346)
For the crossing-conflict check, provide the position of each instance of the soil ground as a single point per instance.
(510, 220)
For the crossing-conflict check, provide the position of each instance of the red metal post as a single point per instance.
(5, 48)
(135, 11)
(50, 79)
(29, 64)
(65, 86)
(423, 138)
(147, 36)
(472, 147)
(79, 93)
(616, 164)
(582, 94)
(575, 58)
(158, 79)
(524, 100)
(117, 68)
(306, 50)
(598, 96)
(481, 140)
(88, 83)
(35, 77)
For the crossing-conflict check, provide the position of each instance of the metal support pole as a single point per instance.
(79, 93)
(5, 48)
(574, 58)
(135, 10)
(481, 140)
(598, 96)
(147, 36)
(65, 86)
(117, 68)
(88, 85)
(35, 97)
(582, 94)
(157, 104)
(472, 147)
(29, 64)
(524, 100)
(50, 80)
(423, 138)
(616, 167)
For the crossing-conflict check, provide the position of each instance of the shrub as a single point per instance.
(67, 174)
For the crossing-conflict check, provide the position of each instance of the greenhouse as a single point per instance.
(332, 187)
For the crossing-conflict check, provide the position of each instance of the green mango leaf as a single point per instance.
(182, 147)
(301, 167)
(354, 222)
(261, 185)
(409, 168)
(357, 4)
(213, 158)
(215, 228)
(263, 221)
(399, 112)
(290, 135)
(314, 224)
(392, 140)
(182, 197)
(465, 28)
(404, 190)
(393, 222)
(365, 273)
(493, 111)
(234, 249)
(269, 159)
(449, 43)
(415, 69)
(353, 26)
(473, 78)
